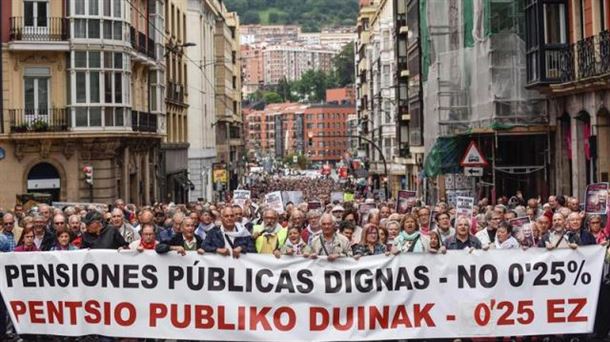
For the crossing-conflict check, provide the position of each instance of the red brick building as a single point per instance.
(283, 129)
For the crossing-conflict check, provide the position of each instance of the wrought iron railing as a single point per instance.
(38, 29)
(587, 58)
(38, 120)
(175, 92)
(143, 122)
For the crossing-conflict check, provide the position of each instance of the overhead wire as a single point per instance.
(200, 66)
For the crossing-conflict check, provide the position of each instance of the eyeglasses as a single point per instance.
(60, 223)
(595, 222)
(9, 223)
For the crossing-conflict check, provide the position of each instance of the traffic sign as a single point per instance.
(473, 171)
(473, 157)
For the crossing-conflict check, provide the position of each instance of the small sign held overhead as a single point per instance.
(473, 157)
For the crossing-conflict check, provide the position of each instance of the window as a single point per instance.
(36, 90)
(99, 92)
(35, 13)
(554, 24)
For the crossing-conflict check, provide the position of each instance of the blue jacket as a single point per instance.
(215, 239)
(582, 238)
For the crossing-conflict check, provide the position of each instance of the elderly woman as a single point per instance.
(504, 238)
(370, 243)
(410, 239)
(594, 223)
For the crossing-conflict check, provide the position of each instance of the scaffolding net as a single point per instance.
(474, 68)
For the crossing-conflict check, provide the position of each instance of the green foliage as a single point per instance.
(312, 15)
(272, 97)
(313, 84)
(303, 162)
(344, 66)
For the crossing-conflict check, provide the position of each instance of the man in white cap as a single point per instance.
(337, 212)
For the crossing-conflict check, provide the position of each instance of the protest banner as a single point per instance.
(240, 197)
(260, 298)
(464, 206)
(596, 199)
(405, 200)
(522, 230)
(274, 201)
(336, 197)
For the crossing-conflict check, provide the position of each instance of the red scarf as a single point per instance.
(150, 245)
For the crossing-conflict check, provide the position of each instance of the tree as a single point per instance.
(313, 84)
(284, 88)
(272, 97)
(344, 67)
(250, 17)
(302, 161)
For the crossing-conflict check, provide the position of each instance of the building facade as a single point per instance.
(292, 61)
(568, 61)
(77, 82)
(201, 17)
(382, 77)
(227, 69)
(175, 182)
(463, 46)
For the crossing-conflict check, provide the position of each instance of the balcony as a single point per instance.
(142, 43)
(144, 122)
(175, 93)
(40, 34)
(44, 30)
(587, 58)
(34, 121)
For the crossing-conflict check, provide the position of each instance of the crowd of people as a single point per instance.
(336, 230)
(313, 189)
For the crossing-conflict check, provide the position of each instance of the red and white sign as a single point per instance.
(261, 298)
(473, 157)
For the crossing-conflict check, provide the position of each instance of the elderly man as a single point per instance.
(462, 238)
(10, 230)
(58, 223)
(270, 235)
(76, 229)
(167, 233)
(185, 239)
(576, 233)
(240, 219)
(313, 228)
(330, 243)
(573, 204)
(228, 238)
(148, 240)
(117, 221)
(43, 238)
(337, 212)
(99, 236)
(557, 237)
(45, 211)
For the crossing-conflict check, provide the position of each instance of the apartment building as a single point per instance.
(252, 69)
(568, 61)
(175, 182)
(381, 116)
(291, 62)
(284, 129)
(227, 69)
(82, 85)
(201, 17)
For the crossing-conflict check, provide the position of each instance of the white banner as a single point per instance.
(260, 298)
